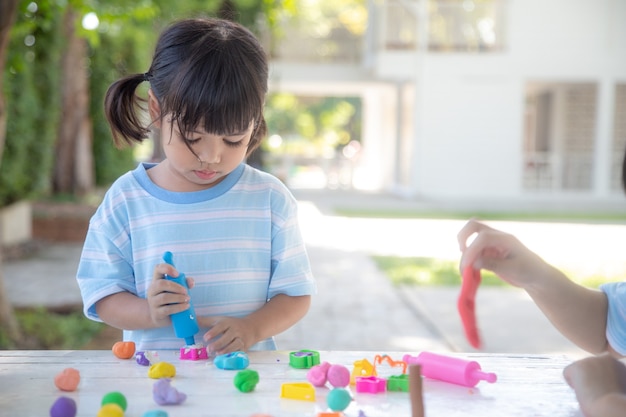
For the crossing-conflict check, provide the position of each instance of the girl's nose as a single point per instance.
(210, 153)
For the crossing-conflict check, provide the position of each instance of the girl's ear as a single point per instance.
(155, 109)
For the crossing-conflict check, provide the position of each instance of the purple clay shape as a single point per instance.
(164, 394)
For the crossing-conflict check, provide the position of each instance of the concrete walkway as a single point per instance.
(356, 307)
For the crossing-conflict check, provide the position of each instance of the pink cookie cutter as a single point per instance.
(371, 384)
(193, 353)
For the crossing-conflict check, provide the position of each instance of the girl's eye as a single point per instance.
(233, 144)
(192, 141)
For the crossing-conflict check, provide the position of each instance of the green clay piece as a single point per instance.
(246, 380)
(115, 397)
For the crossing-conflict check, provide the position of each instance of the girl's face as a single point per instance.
(215, 157)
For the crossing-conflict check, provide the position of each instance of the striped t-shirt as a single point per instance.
(239, 240)
(616, 319)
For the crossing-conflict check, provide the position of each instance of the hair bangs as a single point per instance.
(219, 91)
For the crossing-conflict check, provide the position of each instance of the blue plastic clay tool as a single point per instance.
(185, 323)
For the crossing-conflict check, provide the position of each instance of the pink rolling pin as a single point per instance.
(449, 369)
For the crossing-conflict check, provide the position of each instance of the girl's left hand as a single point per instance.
(227, 334)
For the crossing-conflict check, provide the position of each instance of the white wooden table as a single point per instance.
(528, 385)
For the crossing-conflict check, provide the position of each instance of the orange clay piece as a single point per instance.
(378, 359)
(124, 350)
(67, 379)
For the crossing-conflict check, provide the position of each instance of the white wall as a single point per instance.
(470, 137)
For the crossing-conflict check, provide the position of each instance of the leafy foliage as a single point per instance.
(44, 329)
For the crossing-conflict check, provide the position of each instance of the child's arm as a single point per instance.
(127, 311)
(600, 385)
(579, 313)
(277, 315)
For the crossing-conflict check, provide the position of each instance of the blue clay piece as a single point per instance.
(338, 399)
(63, 407)
(155, 413)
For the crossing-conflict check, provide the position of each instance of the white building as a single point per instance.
(485, 103)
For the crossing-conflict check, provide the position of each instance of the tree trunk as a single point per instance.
(8, 12)
(73, 170)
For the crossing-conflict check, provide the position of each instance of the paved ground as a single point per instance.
(356, 307)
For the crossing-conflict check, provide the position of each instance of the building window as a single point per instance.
(466, 25)
(619, 136)
(559, 132)
(453, 25)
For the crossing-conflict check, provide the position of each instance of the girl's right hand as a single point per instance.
(166, 297)
(501, 253)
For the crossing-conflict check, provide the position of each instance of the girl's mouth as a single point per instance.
(206, 175)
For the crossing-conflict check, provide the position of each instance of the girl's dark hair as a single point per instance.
(207, 71)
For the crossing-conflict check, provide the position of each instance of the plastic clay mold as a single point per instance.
(371, 384)
(233, 360)
(193, 353)
(304, 359)
(398, 383)
(298, 391)
(362, 367)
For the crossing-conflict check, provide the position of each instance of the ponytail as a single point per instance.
(123, 110)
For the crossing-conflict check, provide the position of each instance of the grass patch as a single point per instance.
(437, 272)
(45, 329)
(609, 218)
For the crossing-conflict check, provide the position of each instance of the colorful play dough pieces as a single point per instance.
(317, 375)
(155, 413)
(142, 359)
(164, 394)
(115, 397)
(63, 407)
(124, 350)
(110, 410)
(338, 399)
(162, 370)
(338, 376)
(466, 304)
(246, 380)
(233, 360)
(67, 379)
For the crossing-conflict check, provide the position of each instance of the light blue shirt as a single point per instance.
(616, 320)
(240, 241)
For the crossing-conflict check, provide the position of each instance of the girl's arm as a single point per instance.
(579, 313)
(127, 311)
(277, 315)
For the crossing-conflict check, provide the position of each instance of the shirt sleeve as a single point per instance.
(104, 268)
(616, 319)
(291, 271)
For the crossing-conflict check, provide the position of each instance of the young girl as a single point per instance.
(232, 228)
